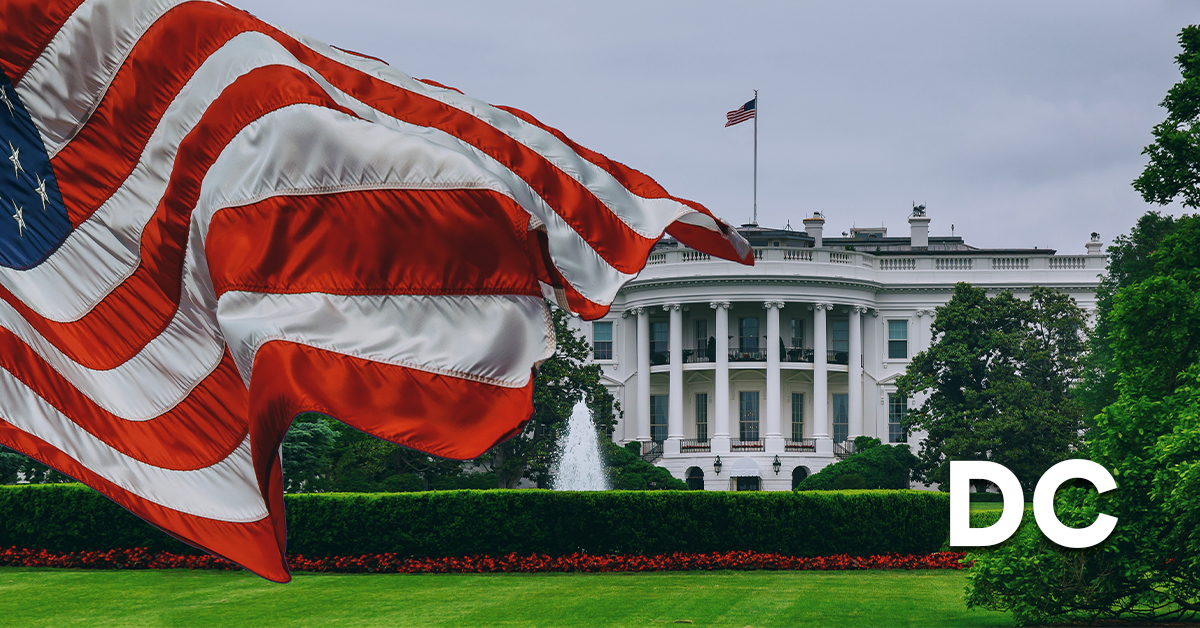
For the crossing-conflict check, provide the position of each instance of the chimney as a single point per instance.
(920, 227)
(813, 227)
(1095, 246)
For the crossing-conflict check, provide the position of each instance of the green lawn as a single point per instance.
(52, 597)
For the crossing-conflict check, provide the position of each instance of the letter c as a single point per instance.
(1043, 504)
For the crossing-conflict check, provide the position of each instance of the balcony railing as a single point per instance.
(694, 445)
(747, 355)
(652, 452)
(944, 262)
(841, 451)
(837, 357)
(738, 444)
(797, 354)
(804, 444)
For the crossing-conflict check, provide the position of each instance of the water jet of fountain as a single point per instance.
(579, 466)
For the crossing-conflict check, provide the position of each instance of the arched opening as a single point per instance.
(798, 475)
(695, 479)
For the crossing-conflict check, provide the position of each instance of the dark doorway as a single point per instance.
(747, 484)
(798, 475)
(695, 479)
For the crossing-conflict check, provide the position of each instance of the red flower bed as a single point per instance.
(585, 563)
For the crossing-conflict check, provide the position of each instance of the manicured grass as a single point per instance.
(51, 597)
(986, 506)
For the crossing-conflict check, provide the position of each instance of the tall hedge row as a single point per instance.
(458, 523)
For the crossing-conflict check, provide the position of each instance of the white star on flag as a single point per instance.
(20, 218)
(4, 99)
(15, 159)
(41, 191)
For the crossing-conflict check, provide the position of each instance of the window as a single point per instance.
(897, 340)
(748, 334)
(841, 418)
(702, 417)
(797, 416)
(701, 334)
(748, 419)
(897, 408)
(798, 333)
(658, 417)
(660, 336)
(602, 340)
(704, 352)
(841, 335)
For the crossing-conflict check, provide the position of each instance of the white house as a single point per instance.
(750, 378)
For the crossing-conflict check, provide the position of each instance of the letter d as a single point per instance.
(962, 472)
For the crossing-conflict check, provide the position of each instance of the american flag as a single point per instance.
(741, 114)
(211, 224)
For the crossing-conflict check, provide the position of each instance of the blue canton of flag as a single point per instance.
(33, 218)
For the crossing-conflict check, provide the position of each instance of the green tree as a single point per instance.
(1150, 440)
(997, 383)
(1174, 168)
(1129, 262)
(560, 383)
(307, 454)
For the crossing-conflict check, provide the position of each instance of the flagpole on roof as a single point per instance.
(754, 221)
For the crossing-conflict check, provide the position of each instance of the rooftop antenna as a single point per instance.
(788, 226)
(951, 230)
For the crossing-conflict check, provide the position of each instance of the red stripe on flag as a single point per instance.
(26, 28)
(197, 432)
(106, 150)
(437, 414)
(256, 546)
(141, 307)
(374, 242)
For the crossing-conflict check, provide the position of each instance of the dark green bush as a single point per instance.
(497, 522)
(628, 472)
(874, 466)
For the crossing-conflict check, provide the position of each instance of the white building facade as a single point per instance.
(751, 378)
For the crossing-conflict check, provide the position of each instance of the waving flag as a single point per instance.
(746, 112)
(209, 225)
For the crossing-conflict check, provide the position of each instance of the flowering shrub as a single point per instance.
(142, 558)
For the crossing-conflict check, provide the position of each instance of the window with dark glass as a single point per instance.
(841, 418)
(658, 417)
(897, 408)
(840, 335)
(897, 340)
(602, 340)
(798, 333)
(797, 416)
(748, 334)
(702, 417)
(748, 417)
(660, 336)
(701, 334)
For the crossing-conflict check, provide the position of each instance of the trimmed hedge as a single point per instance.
(497, 523)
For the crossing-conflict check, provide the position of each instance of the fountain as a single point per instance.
(579, 466)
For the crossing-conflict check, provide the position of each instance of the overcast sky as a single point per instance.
(1020, 123)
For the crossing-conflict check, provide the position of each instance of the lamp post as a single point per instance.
(717, 466)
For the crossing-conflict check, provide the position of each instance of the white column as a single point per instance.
(821, 380)
(720, 438)
(856, 372)
(675, 401)
(643, 374)
(774, 437)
